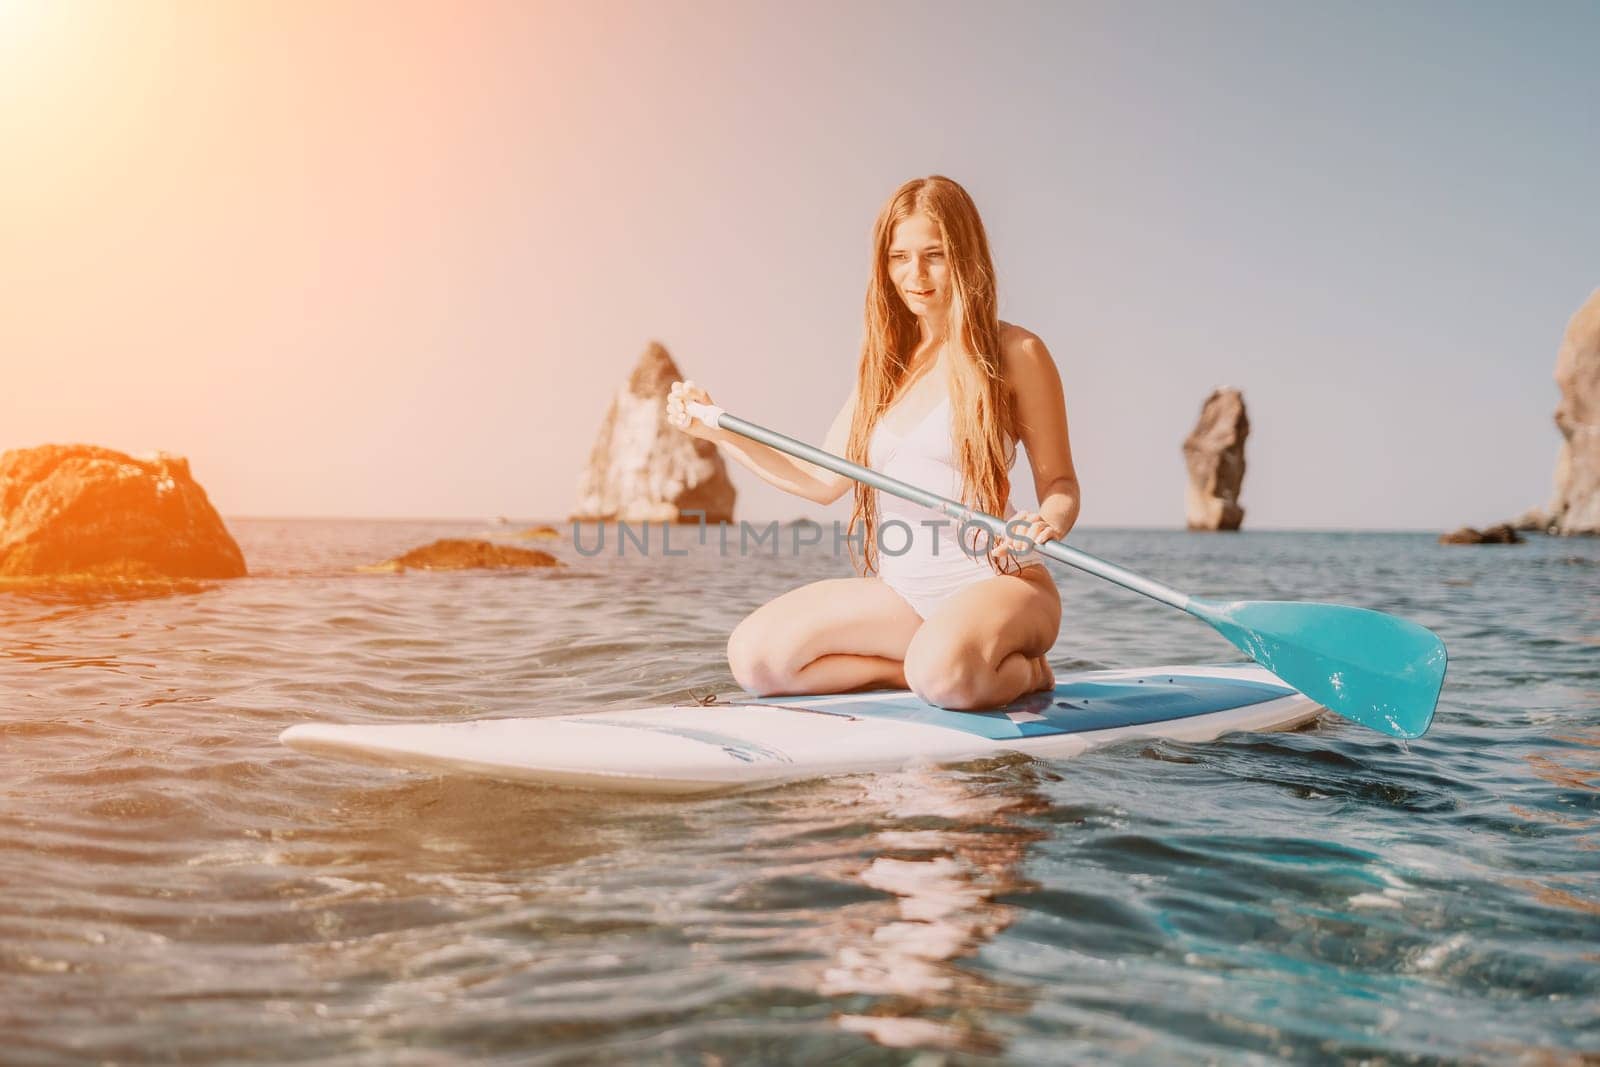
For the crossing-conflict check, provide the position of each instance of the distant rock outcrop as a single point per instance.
(1534, 520)
(79, 510)
(1575, 507)
(1214, 454)
(1494, 535)
(452, 554)
(641, 469)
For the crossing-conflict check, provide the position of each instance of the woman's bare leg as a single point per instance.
(831, 636)
(985, 646)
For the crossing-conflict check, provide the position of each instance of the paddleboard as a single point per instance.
(743, 741)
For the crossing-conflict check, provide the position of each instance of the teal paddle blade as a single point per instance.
(1372, 668)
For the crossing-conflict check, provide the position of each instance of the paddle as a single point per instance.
(1372, 668)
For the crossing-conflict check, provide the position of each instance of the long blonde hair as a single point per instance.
(979, 402)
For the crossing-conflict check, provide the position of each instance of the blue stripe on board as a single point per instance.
(1074, 707)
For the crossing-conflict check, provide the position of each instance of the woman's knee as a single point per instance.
(946, 674)
(753, 660)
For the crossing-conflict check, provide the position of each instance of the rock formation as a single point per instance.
(1575, 507)
(79, 510)
(451, 554)
(641, 469)
(1494, 535)
(1534, 520)
(1214, 454)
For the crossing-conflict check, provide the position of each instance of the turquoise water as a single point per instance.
(179, 887)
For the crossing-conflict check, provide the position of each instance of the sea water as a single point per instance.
(175, 886)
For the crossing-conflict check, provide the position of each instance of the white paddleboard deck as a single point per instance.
(744, 741)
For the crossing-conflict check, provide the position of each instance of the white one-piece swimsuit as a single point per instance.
(933, 566)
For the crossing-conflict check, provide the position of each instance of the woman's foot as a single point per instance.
(1044, 677)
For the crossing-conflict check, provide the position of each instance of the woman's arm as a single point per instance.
(1041, 412)
(796, 476)
(776, 468)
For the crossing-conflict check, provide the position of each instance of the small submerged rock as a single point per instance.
(453, 554)
(85, 512)
(539, 533)
(1502, 534)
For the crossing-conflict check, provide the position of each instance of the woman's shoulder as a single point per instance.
(1020, 350)
(1012, 334)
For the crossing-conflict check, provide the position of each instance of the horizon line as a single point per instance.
(1108, 527)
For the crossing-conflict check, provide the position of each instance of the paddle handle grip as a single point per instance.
(712, 415)
(706, 413)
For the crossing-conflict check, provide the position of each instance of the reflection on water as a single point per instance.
(186, 889)
(1573, 767)
(86, 591)
(940, 883)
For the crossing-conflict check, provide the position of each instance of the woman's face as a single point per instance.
(918, 267)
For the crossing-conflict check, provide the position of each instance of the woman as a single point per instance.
(965, 625)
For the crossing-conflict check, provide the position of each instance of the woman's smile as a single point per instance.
(918, 264)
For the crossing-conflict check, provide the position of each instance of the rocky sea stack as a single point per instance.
(1214, 454)
(1575, 507)
(643, 470)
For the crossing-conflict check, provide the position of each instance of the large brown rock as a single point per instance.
(1575, 507)
(1214, 454)
(79, 510)
(643, 470)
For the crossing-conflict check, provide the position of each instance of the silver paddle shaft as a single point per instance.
(714, 416)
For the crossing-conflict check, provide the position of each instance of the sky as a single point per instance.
(393, 259)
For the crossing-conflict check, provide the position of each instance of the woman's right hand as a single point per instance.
(678, 415)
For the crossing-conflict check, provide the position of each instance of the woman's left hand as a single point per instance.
(1032, 525)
